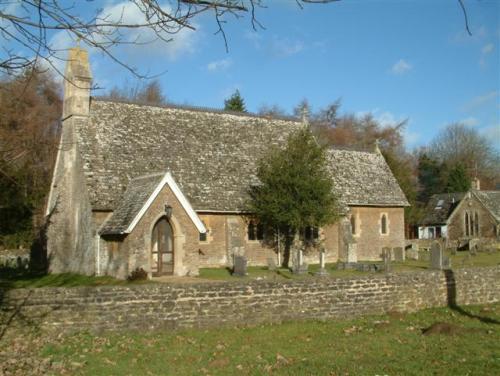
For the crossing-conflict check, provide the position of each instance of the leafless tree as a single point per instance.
(28, 25)
(458, 143)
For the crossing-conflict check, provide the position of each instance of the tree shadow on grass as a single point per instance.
(451, 290)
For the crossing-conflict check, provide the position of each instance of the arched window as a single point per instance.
(466, 224)
(383, 224)
(476, 224)
(353, 224)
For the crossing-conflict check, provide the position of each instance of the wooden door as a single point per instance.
(162, 248)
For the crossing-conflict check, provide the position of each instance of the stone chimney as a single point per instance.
(77, 83)
(476, 185)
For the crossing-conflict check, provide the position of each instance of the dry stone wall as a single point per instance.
(171, 306)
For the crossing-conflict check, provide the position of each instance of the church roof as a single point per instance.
(212, 155)
(363, 178)
(140, 194)
(491, 201)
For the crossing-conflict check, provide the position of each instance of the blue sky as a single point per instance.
(395, 58)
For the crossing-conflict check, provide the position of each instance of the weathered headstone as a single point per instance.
(386, 257)
(436, 256)
(298, 265)
(240, 266)
(349, 251)
(271, 264)
(473, 246)
(412, 252)
(398, 254)
(322, 271)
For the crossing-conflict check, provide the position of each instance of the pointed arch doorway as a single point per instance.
(162, 249)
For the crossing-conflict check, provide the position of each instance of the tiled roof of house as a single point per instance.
(491, 200)
(134, 198)
(440, 207)
(364, 178)
(212, 155)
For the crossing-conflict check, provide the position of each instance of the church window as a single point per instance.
(353, 224)
(255, 231)
(383, 224)
(476, 224)
(466, 224)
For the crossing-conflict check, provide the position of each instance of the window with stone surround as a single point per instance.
(353, 224)
(204, 236)
(384, 225)
(255, 231)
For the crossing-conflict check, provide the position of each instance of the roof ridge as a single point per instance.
(197, 109)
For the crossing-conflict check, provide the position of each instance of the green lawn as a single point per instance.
(375, 345)
(20, 279)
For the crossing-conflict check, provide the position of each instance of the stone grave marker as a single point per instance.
(473, 246)
(386, 256)
(271, 264)
(240, 266)
(322, 271)
(299, 267)
(398, 254)
(436, 256)
(412, 252)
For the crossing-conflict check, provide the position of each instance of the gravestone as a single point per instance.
(271, 264)
(349, 250)
(412, 252)
(386, 257)
(436, 256)
(322, 271)
(398, 254)
(453, 250)
(240, 266)
(473, 246)
(298, 265)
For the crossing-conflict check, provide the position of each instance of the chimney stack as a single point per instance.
(77, 83)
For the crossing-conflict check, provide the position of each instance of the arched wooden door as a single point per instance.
(162, 248)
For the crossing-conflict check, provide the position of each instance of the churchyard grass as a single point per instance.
(391, 344)
(10, 278)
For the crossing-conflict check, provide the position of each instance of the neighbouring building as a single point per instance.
(462, 216)
(163, 188)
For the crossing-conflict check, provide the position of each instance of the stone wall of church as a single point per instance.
(127, 253)
(368, 234)
(456, 225)
(70, 231)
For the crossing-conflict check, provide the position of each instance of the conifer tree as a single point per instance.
(235, 103)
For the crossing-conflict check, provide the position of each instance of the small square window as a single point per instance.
(203, 236)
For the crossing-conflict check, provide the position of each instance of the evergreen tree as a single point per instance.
(235, 103)
(295, 190)
(458, 179)
(430, 178)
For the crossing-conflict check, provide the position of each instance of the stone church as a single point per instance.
(163, 188)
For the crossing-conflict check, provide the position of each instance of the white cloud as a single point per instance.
(470, 121)
(411, 138)
(286, 47)
(401, 67)
(480, 100)
(488, 48)
(219, 65)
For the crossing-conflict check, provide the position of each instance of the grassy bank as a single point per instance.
(464, 343)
